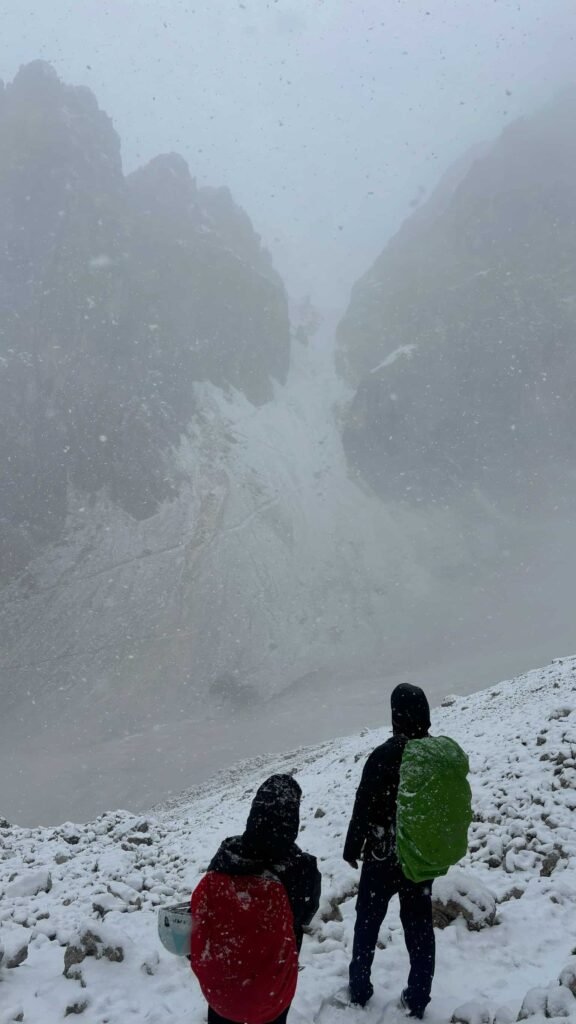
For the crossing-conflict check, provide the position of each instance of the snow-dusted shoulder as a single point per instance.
(79, 904)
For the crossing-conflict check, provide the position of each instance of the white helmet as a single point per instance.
(175, 928)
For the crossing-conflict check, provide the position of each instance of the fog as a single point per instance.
(326, 118)
(243, 497)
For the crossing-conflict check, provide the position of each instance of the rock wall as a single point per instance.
(459, 341)
(116, 296)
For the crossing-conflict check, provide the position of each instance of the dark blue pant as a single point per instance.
(380, 881)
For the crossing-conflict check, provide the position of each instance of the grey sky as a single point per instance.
(325, 117)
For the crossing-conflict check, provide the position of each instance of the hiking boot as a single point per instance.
(361, 1000)
(404, 1005)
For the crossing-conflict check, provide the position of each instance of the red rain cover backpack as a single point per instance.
(243, 947)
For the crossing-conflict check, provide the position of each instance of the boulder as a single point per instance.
(459, 894)
(12, 1014)
(567, 976)
(30, 884)
(553, 1002)
(504, 1015)
(90, 943)
(473, 1012)
(560, 1002)
(14, 946)
(76, 1007)
(533, 1004)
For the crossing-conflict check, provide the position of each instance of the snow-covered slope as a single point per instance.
(109, 877)
(230, 592)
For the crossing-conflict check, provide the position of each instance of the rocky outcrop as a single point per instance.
(116, 296)
(459, 894)
(460, 339)
(205, 284)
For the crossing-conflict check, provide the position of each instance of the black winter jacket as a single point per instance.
(372, 830)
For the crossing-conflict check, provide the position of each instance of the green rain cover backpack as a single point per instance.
(434, 807)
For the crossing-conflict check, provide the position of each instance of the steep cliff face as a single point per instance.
(205, 284)
(460, 341)
(116, 296)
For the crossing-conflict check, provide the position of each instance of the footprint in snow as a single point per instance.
(335, 1009)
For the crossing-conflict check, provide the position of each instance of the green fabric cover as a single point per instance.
(434, 807)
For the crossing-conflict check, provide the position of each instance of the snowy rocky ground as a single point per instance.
(78, 904)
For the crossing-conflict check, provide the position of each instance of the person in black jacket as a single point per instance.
(268, 844)
(372, 838)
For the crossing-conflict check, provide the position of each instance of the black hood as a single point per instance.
(271, 830)
(410, 711)
(274, 819)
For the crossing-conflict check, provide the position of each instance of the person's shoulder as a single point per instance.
(229, 852)
(307, 858)
(300, 859)
(386, 751)
(387, 745)
(296, 853)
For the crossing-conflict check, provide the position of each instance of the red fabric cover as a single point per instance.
(243, 946)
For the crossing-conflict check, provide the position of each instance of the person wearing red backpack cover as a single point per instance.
(250, 909)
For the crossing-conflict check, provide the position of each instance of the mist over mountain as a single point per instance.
(460, 340)
(116, 295)
(212, 543)
(175, 544)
